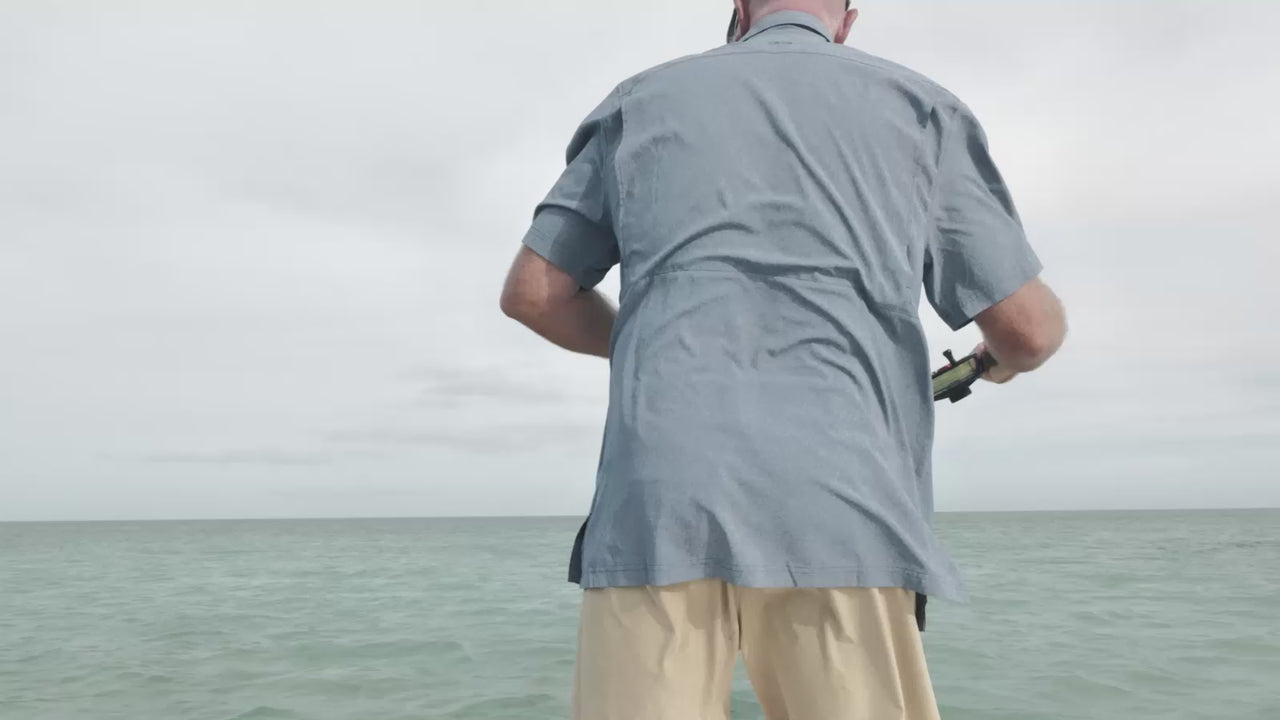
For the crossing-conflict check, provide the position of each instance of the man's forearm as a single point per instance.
(1022, 331)
(549, 301)
(581, 323)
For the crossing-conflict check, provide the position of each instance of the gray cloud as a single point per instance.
(261, 249)
(239, 457)
(451, 385)
(503, 438)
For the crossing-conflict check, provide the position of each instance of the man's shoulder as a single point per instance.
(656, 72)
(863, 65)
(894, 71)
(858, 62)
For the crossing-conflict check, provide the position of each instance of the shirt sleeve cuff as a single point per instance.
(572, 243)
(973, 301)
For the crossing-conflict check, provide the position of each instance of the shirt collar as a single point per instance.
(789, 17)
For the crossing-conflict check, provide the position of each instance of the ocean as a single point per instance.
(1092, 616)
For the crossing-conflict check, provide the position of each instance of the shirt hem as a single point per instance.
(919, 581)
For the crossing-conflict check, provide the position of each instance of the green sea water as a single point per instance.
(1076, 615)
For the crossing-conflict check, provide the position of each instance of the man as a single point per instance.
(764, 487)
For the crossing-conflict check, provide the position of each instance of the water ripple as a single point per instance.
(1075, 616)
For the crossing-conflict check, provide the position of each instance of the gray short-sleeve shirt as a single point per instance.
(776, 206)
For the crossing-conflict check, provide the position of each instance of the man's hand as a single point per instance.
(550, 302)
(1000, 374)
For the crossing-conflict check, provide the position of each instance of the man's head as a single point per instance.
(836, 14)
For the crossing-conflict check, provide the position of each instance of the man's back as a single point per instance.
(775, 205)
(764, 485)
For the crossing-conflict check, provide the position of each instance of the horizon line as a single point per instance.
(583, 516)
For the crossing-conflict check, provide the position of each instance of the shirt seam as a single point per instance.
(606, 165)
(935, 194)
(788, 23)
(623, 91)
(927, 223)
(746, 50)
(806, 281)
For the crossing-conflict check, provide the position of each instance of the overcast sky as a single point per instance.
(250, 253)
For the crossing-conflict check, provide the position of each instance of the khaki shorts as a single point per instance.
(668, 653)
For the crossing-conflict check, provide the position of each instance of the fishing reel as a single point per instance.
(952, 381)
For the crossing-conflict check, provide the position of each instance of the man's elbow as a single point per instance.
(521, 305)
(1033, 347)
(535, 288)
(1025, 329)
(530, 303)
(1041, 347)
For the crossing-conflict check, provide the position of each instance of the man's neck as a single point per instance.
(816, 8)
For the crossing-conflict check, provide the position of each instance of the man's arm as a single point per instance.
(571, 246)
(1022, 331)
(978, 265)
(551, 303)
